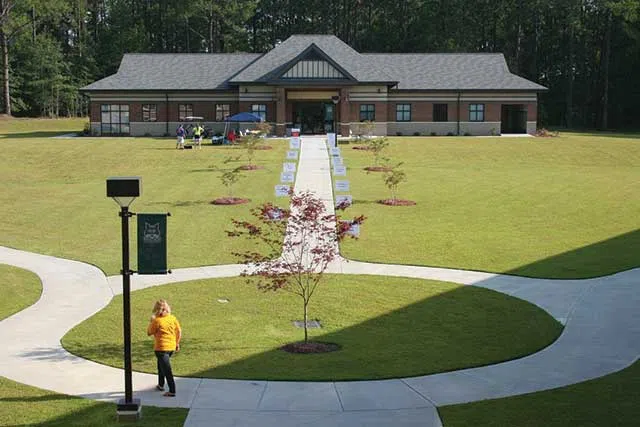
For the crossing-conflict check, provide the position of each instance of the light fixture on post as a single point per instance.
(335, 99)
(123, 190)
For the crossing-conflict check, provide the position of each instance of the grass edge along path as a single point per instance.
(611, 400)
(390, 328)
(22, 404)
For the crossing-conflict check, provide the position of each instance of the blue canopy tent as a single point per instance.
(240, 117)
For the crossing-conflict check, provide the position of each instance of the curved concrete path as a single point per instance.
(601, 336)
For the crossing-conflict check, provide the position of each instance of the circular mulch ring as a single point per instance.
(229, 201)
(250, 167)
(264, 147)
(310, 347)
(397, 202)
(361, 147)
(377, 169)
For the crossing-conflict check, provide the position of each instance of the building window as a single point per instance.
(440, 112)
(403, 112)
(222, 112)
(184, 111)
(114, 119)
(260, 110)
(149, 112)
(476, 112)
(367, 112)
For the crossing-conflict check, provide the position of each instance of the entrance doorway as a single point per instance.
(314, 118)
(514, 118)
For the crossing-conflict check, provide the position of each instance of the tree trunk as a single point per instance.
(5, 73)
(605, 73)
(306, 333)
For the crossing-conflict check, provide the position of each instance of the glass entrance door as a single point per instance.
(313, 118)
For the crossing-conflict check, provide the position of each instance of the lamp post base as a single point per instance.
(128, 412)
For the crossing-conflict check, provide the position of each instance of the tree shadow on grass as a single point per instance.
(39, 134)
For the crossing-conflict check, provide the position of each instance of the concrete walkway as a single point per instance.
(601, 336)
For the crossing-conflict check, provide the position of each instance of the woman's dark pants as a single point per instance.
(164, 370)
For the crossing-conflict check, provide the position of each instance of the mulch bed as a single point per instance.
(229, 201)
(250, 167)
(378, 169)
(361, 147)
(397, 202)
(310, 347)
(263, 147)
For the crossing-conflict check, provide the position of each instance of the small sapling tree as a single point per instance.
(393, 177)
(297, 246)
(376, 147)
(229, 175)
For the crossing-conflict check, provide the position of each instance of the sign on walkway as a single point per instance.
(282, 190)
(340, 170)
(292, 155)
(342, 185)
(288, 167)
(294, 143)
(344, 200)
(287, 177)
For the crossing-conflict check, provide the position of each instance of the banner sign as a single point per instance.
(331, 140)
(152, 243)
(344, 200)
(292, 155)
(288, 167)
(282, 190)
(287, 177)
(294, 143)
(339, 170)
(342, 185)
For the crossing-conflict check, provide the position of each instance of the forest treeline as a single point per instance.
(587, 52)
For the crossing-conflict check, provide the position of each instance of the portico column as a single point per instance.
(345, 112)
(281, 110)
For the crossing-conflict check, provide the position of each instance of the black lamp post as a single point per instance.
(335, 99)
(124, 190)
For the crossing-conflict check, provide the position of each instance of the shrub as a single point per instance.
(467, 134)
(450, 134)
(545, 133)
(433, 134)
(147, 135)
(398, 133)
(416, 134)
(86, 131)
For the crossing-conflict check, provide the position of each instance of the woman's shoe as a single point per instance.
(169, 394)
(159, 388)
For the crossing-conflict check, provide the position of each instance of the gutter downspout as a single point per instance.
(166, 113)
(458, 115)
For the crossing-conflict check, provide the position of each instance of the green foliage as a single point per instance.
(229, 175)
(393, 178)
(376, 147)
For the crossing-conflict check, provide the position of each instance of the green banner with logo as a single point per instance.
(152, 243)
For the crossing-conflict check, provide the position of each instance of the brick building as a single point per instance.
(319, 84)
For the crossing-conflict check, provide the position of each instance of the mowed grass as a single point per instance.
(23, 405)
(562, 207)
(18, 289)
(608, 401)
(387, 327)
(54, 195)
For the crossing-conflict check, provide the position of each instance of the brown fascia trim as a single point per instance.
(161, 91)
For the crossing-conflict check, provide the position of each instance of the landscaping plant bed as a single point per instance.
(229, 201)
(263, 147)
(397, 202)
(378, 169)
(361, 147)
(310, 347)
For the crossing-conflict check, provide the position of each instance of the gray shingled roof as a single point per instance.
(451, 71)
(357, 65)
(178, 71)
(439, 71)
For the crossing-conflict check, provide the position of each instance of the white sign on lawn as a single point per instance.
(287, 177)
(282, 190)
(340, 170)
(288, 167)
(292, 155)
(331, 139)
(344, 200)
(342, 185)
(335, 152)
(294, 144)
(337, 161)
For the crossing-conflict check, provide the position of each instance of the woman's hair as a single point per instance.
(161, 308)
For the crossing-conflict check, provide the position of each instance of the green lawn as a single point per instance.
(561, 207)
(54, 195)
(22, 405)
(18, 289)
(610, 401)
(387, 327)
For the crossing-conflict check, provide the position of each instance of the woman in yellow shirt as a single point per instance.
(167, 333)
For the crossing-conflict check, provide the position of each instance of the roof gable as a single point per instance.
(312, 64)
(275, 63)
